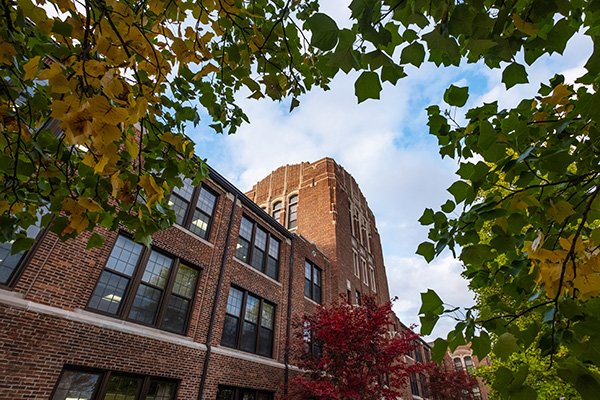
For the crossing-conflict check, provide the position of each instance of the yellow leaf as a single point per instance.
(31, 68)
(7, 52)
(153, 191)
(560, 210)
(116, 183)
(171, 139)
(526, 27)
(4, 205)
(77, 223)
(101, 109)
(207, 69)
(560, 95)
(51, 72)
(89, 204)
(99, 168)
(133, 147)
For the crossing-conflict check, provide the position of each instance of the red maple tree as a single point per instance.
(450, 384)
(349, 352)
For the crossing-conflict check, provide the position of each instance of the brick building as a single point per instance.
(463, 359)
(206, 311)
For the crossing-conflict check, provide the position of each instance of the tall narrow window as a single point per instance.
(312, 281)
(160, 294)
(355, 263)
(194, 207)
(258, 248)
(357, 298)
(372, 278)
(469, 364)
(365, 277)
(249, 323)
(292, 212)
(276, 212)
(458, 364)
(414, 385)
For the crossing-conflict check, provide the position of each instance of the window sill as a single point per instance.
(311, 301)
(228, 351)
(257, 271)
(192, 234)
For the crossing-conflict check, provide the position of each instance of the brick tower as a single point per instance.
(322, 202)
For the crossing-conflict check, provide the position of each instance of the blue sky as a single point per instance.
(385, 145)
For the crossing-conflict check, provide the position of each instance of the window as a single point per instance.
(417, 352)
(235, 393)
(312, 281)
(348, 296)
(145, 286)
(249, 323)
(355, 229)
(355, 261)
(357, 298)
(196, 218)
(372, 276)
(252, 246)
(424, 385)
(108, 385)
(276, 213)
(9, 263)
(292, 212)
(477, 393)
(414, 385)
(310, 346)
(364, 271)
(469, 364)
(458, 364)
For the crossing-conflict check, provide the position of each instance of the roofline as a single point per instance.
(228, 186)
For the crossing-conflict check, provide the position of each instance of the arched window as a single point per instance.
(469, 363)
(458, 364)
(276, 212)
(292, 212)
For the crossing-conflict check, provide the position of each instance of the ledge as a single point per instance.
(192, 234)
(241, 355)
(16, 300)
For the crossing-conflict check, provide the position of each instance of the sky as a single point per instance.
(385, 145)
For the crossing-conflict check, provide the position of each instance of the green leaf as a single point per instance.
(413, 54)
(391, 73)
(427, 217)
(428, 322)
(96, 240)
(514, 74)
(481, 345)
(62, 28)
(427, 250)
(367, 86)
(459, 190)
(21, 244)
(431, 303)
(456, 96)
(440, 346)
(324, 31)
(505, 346)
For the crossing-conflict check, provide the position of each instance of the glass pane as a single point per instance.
(124, 256)
(230, 330)
(225, 394)
(252, 305)
(246, 229)
(157, 270)
(109, 292)
(265, 342)
(267, 317)
(185, 281)
(186, 191)
(145, 304)
(248, 340)
(248, 395)
(122, 388)
(271, 268)
(199, 224)
(317, 294)
(307, 270)
(307, 288)
(76, 385)
(274, 248)
(317, 276)
(180, 206)
(234, 302)
(264, 396)
(206, 201)
(258, 257)
(8, 262)
(260, 240)
(242, 249)
(176, 314)
(161, 390)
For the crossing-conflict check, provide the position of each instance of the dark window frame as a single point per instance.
(238, 392)
(192, 206)
(277, 210)
(292, 210)
(414, 384)
(314, 288)
(241, 321)
(106, 375)
(252, 246)
(135, 281)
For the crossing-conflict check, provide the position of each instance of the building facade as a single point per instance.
(463, 359)
(204, 313)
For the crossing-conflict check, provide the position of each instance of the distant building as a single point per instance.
(206, 311)
(463, 359)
